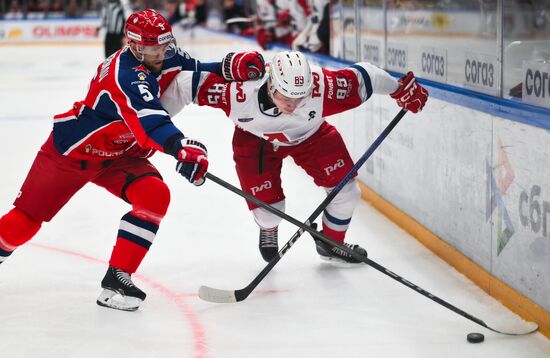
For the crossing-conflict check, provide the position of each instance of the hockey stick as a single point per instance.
(237, 20)
(229, 296)
(226, 296)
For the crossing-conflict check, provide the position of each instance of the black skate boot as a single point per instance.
(119, 292)
(4, 254)
(332, 253)
(269, 243)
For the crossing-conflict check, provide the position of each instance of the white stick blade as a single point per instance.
(531, 327)
(527, 328)
(523, 329)
(216, 295)
(236, 20)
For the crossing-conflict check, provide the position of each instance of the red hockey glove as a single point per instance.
(283, 18)
(192, 161)
(410, 95)
(249, 31)
(243, 66)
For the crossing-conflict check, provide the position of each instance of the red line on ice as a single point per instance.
(199, 337)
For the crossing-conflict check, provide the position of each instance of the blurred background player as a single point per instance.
(236, 19)
(106, 140)
(284, 115)
(187, 13)
(280, 21)
(315, 36)
(113, 18)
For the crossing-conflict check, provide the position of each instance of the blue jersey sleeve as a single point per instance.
(188, 63)
(214, 67)
(144, 114)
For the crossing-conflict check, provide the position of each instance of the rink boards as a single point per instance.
(465, 181)
(473, 180)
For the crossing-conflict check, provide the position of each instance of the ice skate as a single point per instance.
(4, 255)
(269, 243)
(333, 253)
(119, 292)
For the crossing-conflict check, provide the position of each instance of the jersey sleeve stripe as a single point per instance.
(195, 85)
(150, 112)
(366, 79)
(63, 119)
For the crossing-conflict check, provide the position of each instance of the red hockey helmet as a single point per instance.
(148, 28)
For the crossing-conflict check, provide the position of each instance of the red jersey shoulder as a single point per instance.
(341, 91)
(316, 74)
(215, 92)
(341, 84)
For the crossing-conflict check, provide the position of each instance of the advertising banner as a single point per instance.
(536, 83)
(58, 31)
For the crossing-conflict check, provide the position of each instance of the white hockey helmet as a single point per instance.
(290, 75)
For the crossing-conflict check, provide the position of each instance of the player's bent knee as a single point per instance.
(354, 191)
(150, 198)
(267, 220)
(16, 228)
(350, 194)
(343, 204)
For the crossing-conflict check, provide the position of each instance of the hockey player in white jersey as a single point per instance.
(280, 20)
(309, 37)
(283, 115)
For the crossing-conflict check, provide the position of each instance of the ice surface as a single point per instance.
(304, 307)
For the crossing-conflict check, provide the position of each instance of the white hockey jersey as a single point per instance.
(246, 105)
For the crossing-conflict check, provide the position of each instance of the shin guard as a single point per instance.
(150, 198)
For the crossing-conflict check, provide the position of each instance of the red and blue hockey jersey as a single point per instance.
(122, 114)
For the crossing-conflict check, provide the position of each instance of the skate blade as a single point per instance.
(112, 299)
(337, 262)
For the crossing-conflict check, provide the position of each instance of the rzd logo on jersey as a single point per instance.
(332, 168)
(266, 185)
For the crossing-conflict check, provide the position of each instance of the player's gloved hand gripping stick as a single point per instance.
(192, 159)
(230, 296)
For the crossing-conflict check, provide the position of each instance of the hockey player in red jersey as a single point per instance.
(106, 140)
(284, 115)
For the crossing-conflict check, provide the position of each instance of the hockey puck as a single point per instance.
(475, 337)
